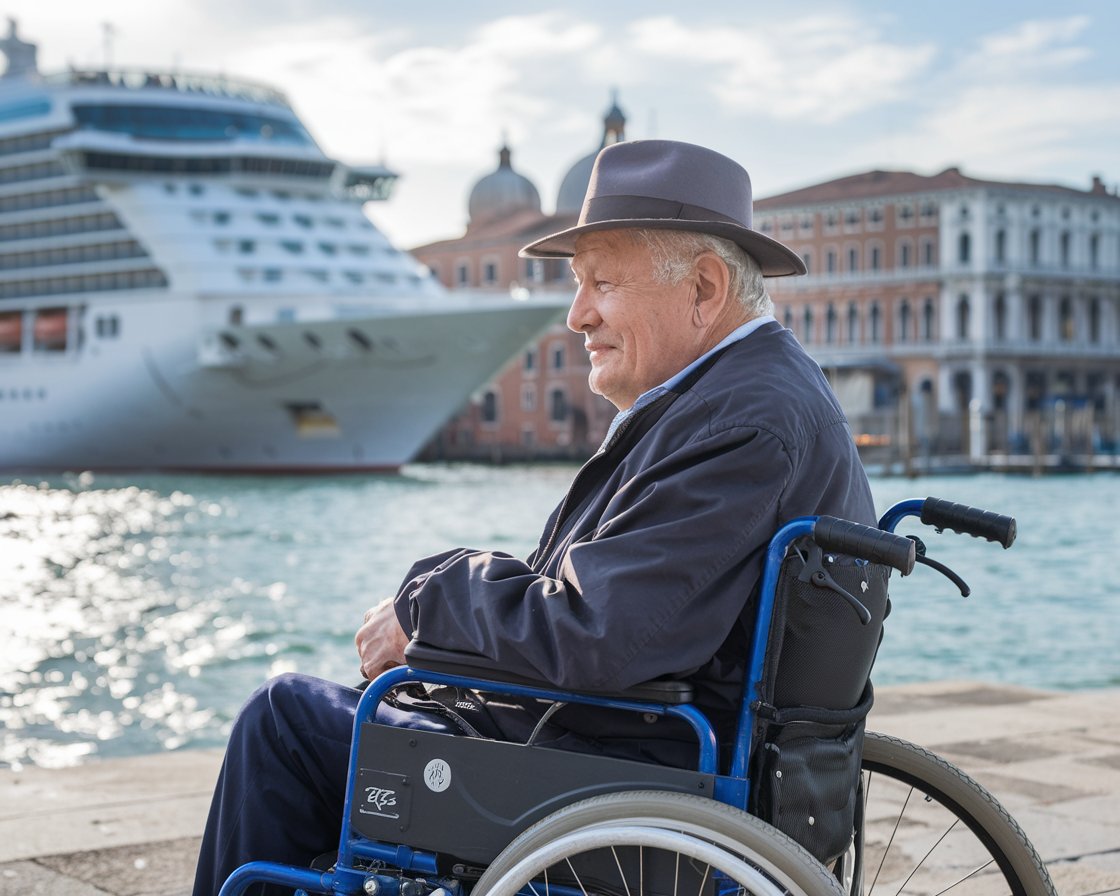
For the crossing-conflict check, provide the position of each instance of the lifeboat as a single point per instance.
(11, 331)
(50, 329)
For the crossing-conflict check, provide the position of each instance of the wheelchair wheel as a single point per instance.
(929, 827)
(654, 843)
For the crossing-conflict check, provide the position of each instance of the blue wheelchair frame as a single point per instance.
(732, 789)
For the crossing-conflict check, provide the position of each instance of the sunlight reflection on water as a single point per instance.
(136, 614)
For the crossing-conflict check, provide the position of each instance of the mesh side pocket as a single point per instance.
(807, 773)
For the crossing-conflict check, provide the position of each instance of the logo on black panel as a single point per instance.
(380, 801)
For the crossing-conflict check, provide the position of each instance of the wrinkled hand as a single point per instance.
(380, 640)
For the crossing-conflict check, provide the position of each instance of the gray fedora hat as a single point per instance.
(668, 185)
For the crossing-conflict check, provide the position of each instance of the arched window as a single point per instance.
(904, 321)
(1034, 318)
(830, 324)
(1094, 320)
(964, 248)
(1035, 246)
(807, 329)
(1000, 317)
(1094, 250)
(963, 315)
(876, 323)
(1001, 246)
(853, 323)
(557, 406)
(490, 406)
(1065, 319)
(788, 318)
(1063, 248)
(928, 330)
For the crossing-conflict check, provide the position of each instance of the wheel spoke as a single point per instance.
(890, 842)
(929, 852)
(968, 876)
(621, 873)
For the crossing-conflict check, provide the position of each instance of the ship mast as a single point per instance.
(20, 54)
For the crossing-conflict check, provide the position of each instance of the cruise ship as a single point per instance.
(187, 282)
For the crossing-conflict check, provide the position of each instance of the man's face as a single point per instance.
(638, 332)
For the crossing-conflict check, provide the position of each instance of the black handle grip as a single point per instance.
(866, 542)
(943, 514)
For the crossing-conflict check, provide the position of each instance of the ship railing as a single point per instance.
(145, 79)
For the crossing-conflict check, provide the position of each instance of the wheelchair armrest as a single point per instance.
(425, 657)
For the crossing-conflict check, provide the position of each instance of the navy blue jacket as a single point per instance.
(647, 567)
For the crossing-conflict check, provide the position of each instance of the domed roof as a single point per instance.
(502, 192)
(569, 199)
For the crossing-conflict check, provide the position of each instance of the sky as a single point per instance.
(798, 92)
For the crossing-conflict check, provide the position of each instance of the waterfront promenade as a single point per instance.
(130, 827)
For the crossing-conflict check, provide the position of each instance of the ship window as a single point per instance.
(189, 123)
(358, 249)
(196, 189)
(221, 217)
(272, 275)
(108, 327)
(303, 221)
(295, 247)
(328, 248)
(337, 223)
(269, 218)
(246, 247)
(353, 276)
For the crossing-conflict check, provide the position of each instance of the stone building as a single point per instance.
(957, 316)
(539, 406)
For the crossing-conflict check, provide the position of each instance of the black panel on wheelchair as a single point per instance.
(471, 797)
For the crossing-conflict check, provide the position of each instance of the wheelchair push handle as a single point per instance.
(942, 514)
(866, 542)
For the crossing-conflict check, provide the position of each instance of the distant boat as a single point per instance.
(188, 282)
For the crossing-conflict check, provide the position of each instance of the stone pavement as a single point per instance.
(130, 827)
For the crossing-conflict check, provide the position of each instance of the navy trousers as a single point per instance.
(280, 792)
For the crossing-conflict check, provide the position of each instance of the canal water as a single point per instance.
(136, 613)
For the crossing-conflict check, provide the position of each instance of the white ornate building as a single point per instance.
(959, 316)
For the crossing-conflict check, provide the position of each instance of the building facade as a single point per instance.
(539, 407)
(959, 317)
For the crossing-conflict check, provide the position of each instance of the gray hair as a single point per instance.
(674, 254)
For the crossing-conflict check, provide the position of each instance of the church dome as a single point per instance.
(502, 192)
(569, 200)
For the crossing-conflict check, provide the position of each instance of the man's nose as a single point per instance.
(582, 315)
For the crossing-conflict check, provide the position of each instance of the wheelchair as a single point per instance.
(807, 802)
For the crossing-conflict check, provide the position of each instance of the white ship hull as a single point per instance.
(318, 398)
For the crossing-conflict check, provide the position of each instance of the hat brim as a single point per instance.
(775, 259)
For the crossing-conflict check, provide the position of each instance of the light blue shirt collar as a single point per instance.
(656, 392)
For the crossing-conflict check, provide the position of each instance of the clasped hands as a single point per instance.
(380, 640)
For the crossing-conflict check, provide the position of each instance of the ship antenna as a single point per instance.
(107, 33)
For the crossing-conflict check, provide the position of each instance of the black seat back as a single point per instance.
(814, 697)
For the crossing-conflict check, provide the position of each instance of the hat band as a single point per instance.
(622, 208)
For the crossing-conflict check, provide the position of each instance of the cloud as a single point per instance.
(1033, 40)
(1004, 127)
(825, 68)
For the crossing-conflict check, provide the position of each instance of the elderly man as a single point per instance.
(726, 430)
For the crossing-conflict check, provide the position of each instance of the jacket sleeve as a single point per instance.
(653, 590)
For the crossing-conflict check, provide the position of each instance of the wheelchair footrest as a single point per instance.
(467, 798)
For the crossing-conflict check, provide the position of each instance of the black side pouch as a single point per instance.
(807, 773)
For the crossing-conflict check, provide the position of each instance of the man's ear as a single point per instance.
(711, 279)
